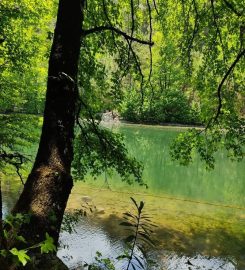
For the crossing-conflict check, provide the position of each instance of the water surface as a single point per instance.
(200, 215)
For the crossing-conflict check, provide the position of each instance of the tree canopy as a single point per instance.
(193, 73)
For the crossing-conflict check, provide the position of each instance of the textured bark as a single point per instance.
(48, 186)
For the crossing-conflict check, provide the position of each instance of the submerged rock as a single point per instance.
(86, 199)
(100, 211)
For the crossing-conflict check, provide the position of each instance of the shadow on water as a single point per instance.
(174, 249)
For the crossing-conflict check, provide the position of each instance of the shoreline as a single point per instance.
(173, 125)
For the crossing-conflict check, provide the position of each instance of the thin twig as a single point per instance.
(150, 38)
(195, 30)
(155, 6)
(14, 159)
(138, 65)
(219, 90)
(217, 28)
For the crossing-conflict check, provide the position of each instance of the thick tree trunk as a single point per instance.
(49, 184)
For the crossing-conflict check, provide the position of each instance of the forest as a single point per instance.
(170, 76)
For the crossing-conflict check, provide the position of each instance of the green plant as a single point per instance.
(170, 106)
(20, 256)
(140, 237)
(101, 263)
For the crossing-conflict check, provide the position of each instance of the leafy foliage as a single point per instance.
(141, 236)
(207, 142)
(23, 258)
(97, 149)
(101, 263)
(47, 245)
(24, 47)
(12, 223)
(19, 135)
(210, 48)
(71, 218)
(175, 81)
(23, 54)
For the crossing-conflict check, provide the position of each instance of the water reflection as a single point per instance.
(224, 184)
(11, 187)
(80, 247)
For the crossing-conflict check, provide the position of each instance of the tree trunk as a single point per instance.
(48, 186)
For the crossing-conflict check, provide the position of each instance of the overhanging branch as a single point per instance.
(15, 159)
(118, 31)
(218, 112)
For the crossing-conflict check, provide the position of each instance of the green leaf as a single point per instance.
(139, 261)
(129, 215)
(48, 245)
(21, 254)
(3, 252)
(21, 238)
(5, 234)
(124, 256)
(141, 206)
(133, 200)
(127, 224)
(130, 238)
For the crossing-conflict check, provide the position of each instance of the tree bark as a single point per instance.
(48, 186)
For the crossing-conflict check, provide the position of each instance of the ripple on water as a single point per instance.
(81, 246)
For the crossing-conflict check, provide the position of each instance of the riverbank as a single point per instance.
(174, 125)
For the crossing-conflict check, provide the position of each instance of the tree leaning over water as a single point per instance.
(49, 184)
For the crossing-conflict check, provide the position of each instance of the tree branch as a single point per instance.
(194, 33)
(217, 29)
(155, 6)
(118, 31)
(15, 159)
(214, 119)
(150, 50)
(109, 21)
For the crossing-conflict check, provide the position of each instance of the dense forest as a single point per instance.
(65, 63)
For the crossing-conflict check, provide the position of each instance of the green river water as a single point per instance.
(200, 215)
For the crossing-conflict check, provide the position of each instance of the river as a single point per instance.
(200, 214)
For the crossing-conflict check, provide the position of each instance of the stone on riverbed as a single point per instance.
(100, 211)
(86, 199)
